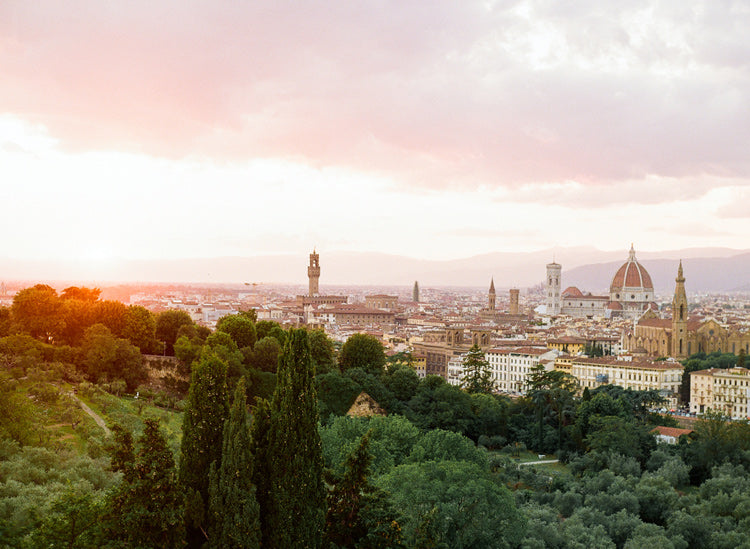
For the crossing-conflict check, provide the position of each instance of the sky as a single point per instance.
(436, 130)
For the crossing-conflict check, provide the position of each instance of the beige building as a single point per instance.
(381, 301)
(725, 391)
(348, 315)
(440, 347)
(640, 375)
(680, 337)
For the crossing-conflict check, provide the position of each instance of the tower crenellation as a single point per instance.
(313, 274)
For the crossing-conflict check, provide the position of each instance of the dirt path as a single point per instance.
(539, 462)
(96, 417)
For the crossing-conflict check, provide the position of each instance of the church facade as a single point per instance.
(680, 336)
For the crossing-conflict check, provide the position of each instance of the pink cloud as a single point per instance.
(439, 93)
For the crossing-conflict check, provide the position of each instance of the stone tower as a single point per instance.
(491, 296)
(313, 273)
(679, 317)
(553, 288)
(415, 293)
(513, 309)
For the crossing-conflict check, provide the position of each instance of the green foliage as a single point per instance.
(359, 515)
(140, 329)
(336, 393)
(240, 328)
(146, 510)
(260, 385)
(402, 381)
(203, 422)
(168, 325)
(17, 414)
(71, 520)
(453, 504)
(233, 512)
(38, 312)
(266, 354)
(392, 439)
(363, 351)
(295, 511)
(106, 357)
(438, 405)
(440, 445)
(477, 376)
(186, 351)
(321, 352)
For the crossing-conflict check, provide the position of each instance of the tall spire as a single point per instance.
(492, 285)
(679, 317)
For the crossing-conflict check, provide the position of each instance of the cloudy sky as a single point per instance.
(434, 129)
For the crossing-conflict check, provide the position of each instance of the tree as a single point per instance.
(112, 314)
(551, 393)
(357, 510)
(17, 421)
(240, 328)
(107, 357)
(477, 376)
(266, 354)
(147, 510)
(81, 293)
(140, 328)
(206, 411)
(321, 351)
(295, 515)
(363, 351)
(233, 509)
(453, 504)
(71, 521)
(38, 312)
(263, 463)
(168, 324)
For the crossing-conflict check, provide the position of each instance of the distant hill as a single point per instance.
(706, 269)
(702, 274)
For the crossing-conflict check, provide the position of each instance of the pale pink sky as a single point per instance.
(435, 129)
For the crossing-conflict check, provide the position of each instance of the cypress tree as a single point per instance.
(477, 376)
(295, 513)
(259, 435)
(233, 510)
(147, 509)
(202, 428)
(359, 514)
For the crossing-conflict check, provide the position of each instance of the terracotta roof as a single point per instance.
(612, 361)
(614, 306)
(632, 275)
(572, 291)
(656, 322)
(671, 431)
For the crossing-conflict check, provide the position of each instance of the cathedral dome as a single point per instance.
(632, 275)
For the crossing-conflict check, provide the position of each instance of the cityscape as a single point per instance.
(374, 275)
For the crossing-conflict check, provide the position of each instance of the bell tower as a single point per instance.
(553, 288)
(313, 273)
(679, 317)
(491, 295)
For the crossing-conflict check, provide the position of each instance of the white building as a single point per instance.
(511, 365)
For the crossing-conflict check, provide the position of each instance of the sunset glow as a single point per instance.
(429, 129)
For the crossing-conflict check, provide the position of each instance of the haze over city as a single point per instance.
(433, 130)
